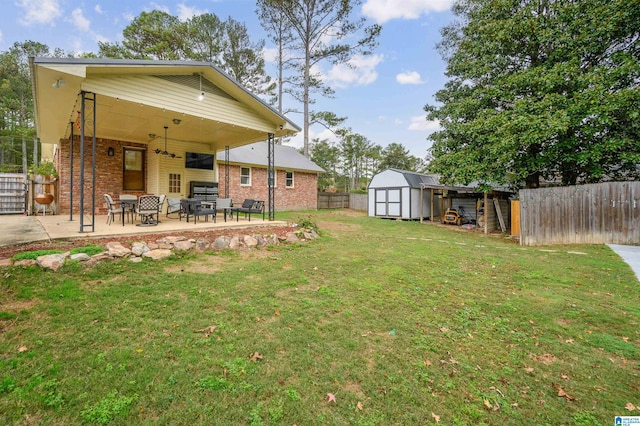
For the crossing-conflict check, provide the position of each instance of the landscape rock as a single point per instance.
(158, 254)
(261, 240)
(153, 246)
(80, 257)
(25, 262)
(170, 240)
(234, 243)
(139, 248)
(51, 261)
(183, 245)
(250, 241)
(116, 249)
(202, 244)
(292, 238)
(135, 259)
(221, 243)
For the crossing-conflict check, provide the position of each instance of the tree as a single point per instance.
(159, 35)
(151, 35)
(396, 156)
(17, 121)
(327, 156)
(243, 59)
(354, 149)
(320, 28)
(539, 89)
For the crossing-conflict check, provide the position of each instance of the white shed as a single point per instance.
(396, 193)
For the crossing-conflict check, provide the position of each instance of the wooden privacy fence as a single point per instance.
(13, 193)
(603, 213)
(342, 200)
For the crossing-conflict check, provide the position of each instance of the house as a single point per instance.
(401, 194)
(149, 127)
(295, 183)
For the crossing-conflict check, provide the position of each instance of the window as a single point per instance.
(289, 179)
(133, 173)
(175, 183)
(245, 176)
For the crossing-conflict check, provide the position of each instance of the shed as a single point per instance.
(396, 194)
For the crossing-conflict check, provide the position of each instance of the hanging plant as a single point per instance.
(45, 168)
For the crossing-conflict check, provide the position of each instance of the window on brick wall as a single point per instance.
(133, 170)
(175, 183)
(245, 176)
(289, 179)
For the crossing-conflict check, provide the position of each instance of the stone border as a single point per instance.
(166, 246)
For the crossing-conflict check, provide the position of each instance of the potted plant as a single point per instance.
(48, 171)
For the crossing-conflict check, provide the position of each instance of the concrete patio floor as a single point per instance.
(20, 229)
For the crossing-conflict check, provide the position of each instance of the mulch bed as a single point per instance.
(65, 245)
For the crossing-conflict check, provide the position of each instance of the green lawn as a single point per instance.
(404, 323)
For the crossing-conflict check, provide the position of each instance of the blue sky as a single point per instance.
(382, 95)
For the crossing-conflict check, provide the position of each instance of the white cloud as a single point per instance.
(0, 36)
(39, 11)
(185, 12)
(270, 54)
(128, 16)
(298, 140)
(420, 123)
(411, 77)
(397, 122)
(360, 70)
(382, 11)
(79, 20)
(98, 9)
(156, 6)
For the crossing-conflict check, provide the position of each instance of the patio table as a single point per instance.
(128, 204)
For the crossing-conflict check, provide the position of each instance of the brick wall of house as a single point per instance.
(108, 174)
(302, 196)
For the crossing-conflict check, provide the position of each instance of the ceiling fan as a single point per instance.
(166, 153)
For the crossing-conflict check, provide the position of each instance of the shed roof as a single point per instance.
(432, 181)
(285, 157)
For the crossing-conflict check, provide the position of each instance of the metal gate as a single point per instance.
(13, 193)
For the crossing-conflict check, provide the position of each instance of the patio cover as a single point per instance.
(136, 98)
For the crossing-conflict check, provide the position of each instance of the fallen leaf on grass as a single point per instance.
(359, 406)
(255, 357)
(331, 398)
(562, 393)
(569, 341)
(631, 407)
(529, 369)
(564, 376)
(427, 363)
(514, 405)
(445, 330)
(208, 331)
(22, 348)
(436, 418)
(488, 404)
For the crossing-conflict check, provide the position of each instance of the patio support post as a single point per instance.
(270, 175)
(88, 102)
(71, 125)
(226, 171)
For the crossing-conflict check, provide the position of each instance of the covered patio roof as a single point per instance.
(135, 99)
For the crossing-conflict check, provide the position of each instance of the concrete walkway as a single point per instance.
(20, 229)
(630, 254)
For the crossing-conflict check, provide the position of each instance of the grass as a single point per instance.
(405, 323)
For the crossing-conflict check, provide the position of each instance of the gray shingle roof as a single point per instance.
(285, 157)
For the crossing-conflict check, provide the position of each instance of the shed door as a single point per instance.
(388, 202)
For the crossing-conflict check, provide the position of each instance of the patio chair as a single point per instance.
(147, 209)
(226, 205)
(248, 207)
(112, 208)
(193, 207)
(160, 204)
(173, 206)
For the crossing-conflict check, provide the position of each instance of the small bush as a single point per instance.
(33, 255)
(108, 408)
(88, 250)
